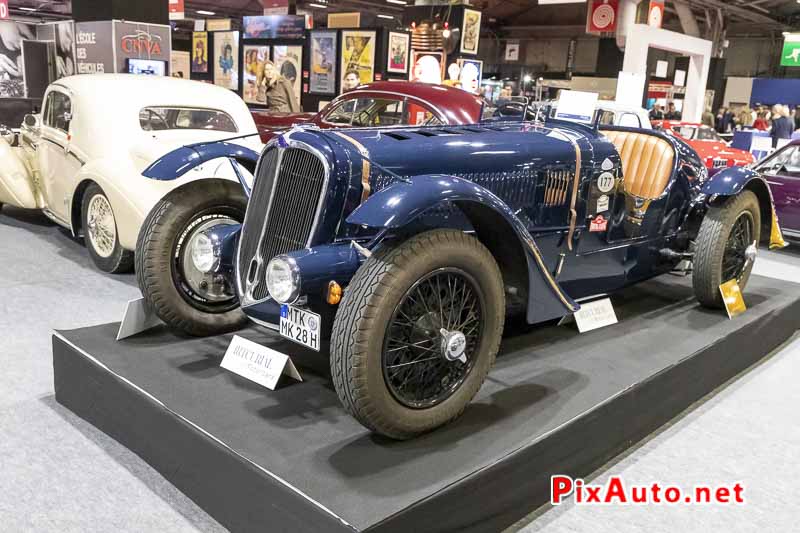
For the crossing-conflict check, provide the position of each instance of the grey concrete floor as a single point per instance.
(58, 473)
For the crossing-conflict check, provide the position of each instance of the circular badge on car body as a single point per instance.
(606, 182)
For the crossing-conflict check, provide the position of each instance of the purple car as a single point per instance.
(782, 170)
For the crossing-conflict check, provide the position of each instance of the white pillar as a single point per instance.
(642, 37)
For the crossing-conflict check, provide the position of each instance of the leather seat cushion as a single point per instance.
(647, 162)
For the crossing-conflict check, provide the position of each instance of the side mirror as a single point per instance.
(32, 122)
(7, 135)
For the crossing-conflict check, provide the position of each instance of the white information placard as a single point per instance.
(258, 363)
(595, 315)
(576, 106)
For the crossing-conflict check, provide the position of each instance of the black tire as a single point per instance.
(363, 320)
(158, 252)
(712, 242)
(113, 258)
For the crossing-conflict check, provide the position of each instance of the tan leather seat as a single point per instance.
(646, 162)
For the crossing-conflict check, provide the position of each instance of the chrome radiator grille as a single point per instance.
(281, 214)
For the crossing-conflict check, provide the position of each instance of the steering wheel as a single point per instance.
(515, 109)
(364, 119)
(158, 118)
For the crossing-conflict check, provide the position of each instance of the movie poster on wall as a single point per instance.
(180, 65)
(289, 62)
(398, 52)
(427, 67)
(358, 58)
(226, 58)
(323, 62)
(255, 58)
(471, 32)
(12, 82)
(200, 52)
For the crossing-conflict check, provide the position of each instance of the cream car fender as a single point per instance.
(133, 196)
(16, 180)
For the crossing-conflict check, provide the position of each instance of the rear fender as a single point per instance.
(16, 182)
(733, 180)
(401, 203)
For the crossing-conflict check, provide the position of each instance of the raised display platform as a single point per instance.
(293, 460)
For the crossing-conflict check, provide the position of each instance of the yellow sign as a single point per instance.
(732, 297)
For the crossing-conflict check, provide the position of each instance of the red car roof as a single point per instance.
(459, 106)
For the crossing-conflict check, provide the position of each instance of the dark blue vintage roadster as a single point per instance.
(407, 248)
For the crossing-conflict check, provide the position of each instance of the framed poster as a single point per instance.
(323, 62)
(179, 64)
(12, 71)
(289, 62)
(200, 52)
(471, 32)
(255, 58)
(470, 75)
(398, 52)
(427, 67)
(358, 58)
(226, 59)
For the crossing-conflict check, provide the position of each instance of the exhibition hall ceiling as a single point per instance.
(757, 16)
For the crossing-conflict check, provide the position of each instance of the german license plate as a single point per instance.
(301, 326)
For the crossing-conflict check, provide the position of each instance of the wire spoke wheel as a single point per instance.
(734, 259)
(102, 227)
(431, 338)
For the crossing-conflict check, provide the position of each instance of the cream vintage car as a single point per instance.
(81, 161)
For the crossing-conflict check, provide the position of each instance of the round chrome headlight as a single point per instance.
(202, 250)
(283, 279)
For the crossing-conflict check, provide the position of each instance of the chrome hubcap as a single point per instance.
(454, 345)
(101, 226)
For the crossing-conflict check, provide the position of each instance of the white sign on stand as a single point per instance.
(595, 315)
(258, 363)
(576, 106)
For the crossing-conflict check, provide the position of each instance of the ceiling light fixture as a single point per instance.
(204, 12)
(320, 6)
(403, 3)
(386, 17)
(27, 9)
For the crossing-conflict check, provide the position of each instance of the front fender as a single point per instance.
(729, 181)
(733, 180)
(401, 203)
(178, 162)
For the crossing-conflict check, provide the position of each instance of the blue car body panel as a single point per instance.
(538, 181)
(178, 162)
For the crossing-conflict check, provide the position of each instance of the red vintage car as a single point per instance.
(707, 143)
(381, 104)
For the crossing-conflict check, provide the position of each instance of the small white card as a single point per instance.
(258, 363)
(200, 25)
(595, 315)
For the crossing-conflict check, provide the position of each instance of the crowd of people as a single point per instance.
(779, 120)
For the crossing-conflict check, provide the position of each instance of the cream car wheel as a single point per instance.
(101, 226)
(100, 232)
